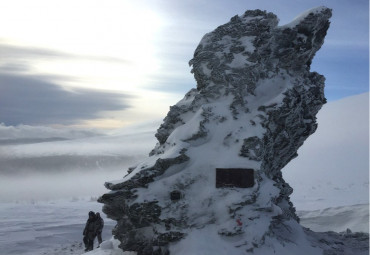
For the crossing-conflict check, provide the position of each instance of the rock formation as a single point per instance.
(254, 105)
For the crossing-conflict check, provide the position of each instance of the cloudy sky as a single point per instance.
(107, 64)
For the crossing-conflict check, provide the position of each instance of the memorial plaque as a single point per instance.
(234, 177)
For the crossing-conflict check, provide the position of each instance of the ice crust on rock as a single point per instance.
(254, 105)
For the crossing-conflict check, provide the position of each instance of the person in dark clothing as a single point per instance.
(90, 232)
(99, 227)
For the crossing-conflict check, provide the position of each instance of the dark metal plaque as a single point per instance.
(234, 177)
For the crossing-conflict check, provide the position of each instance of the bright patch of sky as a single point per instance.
(100, 44)
(139, 50)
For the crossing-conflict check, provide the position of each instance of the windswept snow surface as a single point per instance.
(330, 179)
(337, 219)
(332, 167)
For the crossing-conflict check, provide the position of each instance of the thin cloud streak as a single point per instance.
(30, 100)
(20, 53)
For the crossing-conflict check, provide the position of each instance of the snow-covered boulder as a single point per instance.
(255, 104)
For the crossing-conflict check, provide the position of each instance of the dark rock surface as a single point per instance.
(255, 104)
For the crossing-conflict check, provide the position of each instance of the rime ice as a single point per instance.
(254, 105)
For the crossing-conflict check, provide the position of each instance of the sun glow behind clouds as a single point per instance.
(92, 44)
(117, 30)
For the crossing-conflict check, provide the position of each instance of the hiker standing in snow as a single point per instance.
(90, 232)
(99, 227)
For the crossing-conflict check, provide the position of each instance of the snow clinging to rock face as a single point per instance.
(254, 105)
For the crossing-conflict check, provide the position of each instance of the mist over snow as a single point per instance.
(42, 163)
(331, 169)
(22, 134)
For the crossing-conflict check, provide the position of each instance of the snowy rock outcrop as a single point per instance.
(254, 106)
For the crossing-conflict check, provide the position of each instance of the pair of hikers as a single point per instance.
(94, 227)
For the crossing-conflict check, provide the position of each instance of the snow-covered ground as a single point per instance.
(47, 227)
(55, 227)
(49, 179)
(337, 219)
